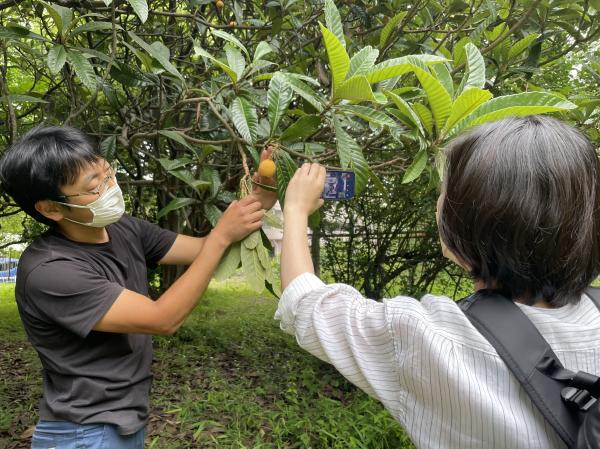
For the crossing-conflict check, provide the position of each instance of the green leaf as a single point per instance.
(278, 98)
(303, 127)
(213, 213)
(229, 263)
(83, 69)
(406, 110)
(333, 21)
(262, 49)
(356, 88)
(57, 56)
(443, 75)
(399, 66)
(201, 52)
(244, 118)
(235, 60)
(252, 240)
(140, 7)
(177, 136)
(231, 39)
(439, 99)
(62, 16)
(475, 74)
(521, 45)
(363, 61)
(389, 27)
(108, 147)
(157, 53)
(286, 168)
(351, 156)
(176, 203)
(16, 32)
(174, 164)
(187, 177)
(253, 270)
(371, 115)
(304, 90)
(469, 100)
(425, 116)
(94, 26)
(416, 168)
(523, 104)
(339, 62)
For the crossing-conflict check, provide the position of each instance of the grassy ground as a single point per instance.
(228, 379)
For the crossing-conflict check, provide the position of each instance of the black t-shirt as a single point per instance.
(63, 289)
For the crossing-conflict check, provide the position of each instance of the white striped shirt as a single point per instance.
(428, 365)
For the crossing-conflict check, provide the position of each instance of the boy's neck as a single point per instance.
(480, 285)
(82, 234)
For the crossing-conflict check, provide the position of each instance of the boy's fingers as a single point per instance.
(248, 200)
(256, 216)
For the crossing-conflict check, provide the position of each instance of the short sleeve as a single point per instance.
(70, 294)
(156, 241)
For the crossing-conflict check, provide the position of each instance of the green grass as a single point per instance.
(229, 378)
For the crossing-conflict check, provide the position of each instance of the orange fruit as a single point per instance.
(267, 168)
(220, 4)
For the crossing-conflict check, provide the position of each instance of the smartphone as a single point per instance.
(339, 185)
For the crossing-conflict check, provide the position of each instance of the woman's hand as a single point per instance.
(240, 219)
(266, 197)
(303, 194)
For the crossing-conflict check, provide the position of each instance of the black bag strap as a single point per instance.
(526, 354)
(594, 294)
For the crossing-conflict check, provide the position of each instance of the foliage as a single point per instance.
(185, 94)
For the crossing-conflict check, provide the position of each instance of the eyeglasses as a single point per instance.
(98, 191)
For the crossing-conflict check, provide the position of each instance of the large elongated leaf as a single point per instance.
(351, 156)
(416, 168)
(302, 128)
(201, 52)
(262, 49)
(235, 60)
(176, 203)
(141, 8)
(244, 118)
(521, 45)
(425, 116)
(339, 62)
(399, 66)
(470, 99)
(356, 88)
(304, 90)
(57, 56)
(439, 99)
(286, 168)
(174, 164)
(231, 39)
(523, 104)
(406, 110)
(16, 32)
(83, 69)
(333, 21)
(278, 98)
(156, 53)
(362, 62)
(475, 74)
(229, 263)
(389, 27)
(374, 116)
(62, 16)
(94, 26)
(177, 136)
(253, 270)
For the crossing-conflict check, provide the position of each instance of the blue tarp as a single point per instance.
(8, 273)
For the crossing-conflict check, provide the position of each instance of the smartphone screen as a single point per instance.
(339, 185)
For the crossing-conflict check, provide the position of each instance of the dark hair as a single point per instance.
(36, 167)
(521, 208)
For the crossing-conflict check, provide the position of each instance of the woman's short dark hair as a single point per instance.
(521, 208)
(47, 158)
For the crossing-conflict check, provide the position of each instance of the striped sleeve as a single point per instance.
(338, 325)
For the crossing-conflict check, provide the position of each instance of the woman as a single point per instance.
(520, 211)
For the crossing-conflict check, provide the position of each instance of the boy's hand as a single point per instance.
(266, 197)
(303, 194)
(240, 219)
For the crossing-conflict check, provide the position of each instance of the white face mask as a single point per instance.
(105, 210)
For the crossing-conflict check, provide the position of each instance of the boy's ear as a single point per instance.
(50, 209)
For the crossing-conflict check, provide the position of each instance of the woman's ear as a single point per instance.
(50, 209)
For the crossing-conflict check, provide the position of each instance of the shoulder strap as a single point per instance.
(525, 352)
(594, 295)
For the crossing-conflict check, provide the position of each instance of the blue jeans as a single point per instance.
(68, 435)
